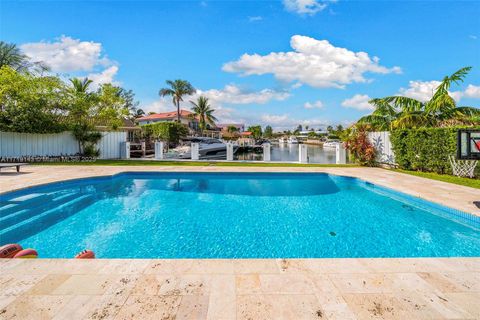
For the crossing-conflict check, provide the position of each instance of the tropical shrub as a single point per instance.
(170, 132)
(425, 149)
(87, 139)
(360, 148)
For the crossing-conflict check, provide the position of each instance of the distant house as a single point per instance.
(224, 126)
(186, 117)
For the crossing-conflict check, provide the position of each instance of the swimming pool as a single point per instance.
(232, 215)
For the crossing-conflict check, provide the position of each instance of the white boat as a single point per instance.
(282, 140)
(331, 144)
(209, 148)
(292, 140)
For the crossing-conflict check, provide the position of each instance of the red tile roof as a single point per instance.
(246, 133)
(166, 115)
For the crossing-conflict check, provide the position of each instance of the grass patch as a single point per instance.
(190, 163)
(473, 183)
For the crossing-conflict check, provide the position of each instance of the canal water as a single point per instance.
(289, 153)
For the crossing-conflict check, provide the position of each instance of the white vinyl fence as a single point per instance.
(381, 142)
(14, 144)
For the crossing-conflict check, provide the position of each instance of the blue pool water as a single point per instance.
(228, 215)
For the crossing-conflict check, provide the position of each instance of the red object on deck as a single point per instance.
(85, 254)
(26, 254)
(10, 250)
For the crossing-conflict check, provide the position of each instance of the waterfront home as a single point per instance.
(186, 117)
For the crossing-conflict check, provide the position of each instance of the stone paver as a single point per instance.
(241, 289)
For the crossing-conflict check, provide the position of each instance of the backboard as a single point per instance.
(468, 144)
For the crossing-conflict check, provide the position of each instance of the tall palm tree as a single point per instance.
(201, 108)
(177, 89)
(404, 112)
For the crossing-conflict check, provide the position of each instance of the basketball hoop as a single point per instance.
(463, 168)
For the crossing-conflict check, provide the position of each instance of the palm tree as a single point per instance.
(404, 112)
(201, 108)
(10, 55)
(81, 86)
(177, 89)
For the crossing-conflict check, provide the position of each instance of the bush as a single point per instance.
(361, 150)
(424, 149)
(171, 132)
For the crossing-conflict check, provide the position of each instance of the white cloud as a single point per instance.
(472, 91)
(423, 91)
(287, 122)
(106, 76)
(305, 7)
(420, 90)
(359, 102)
(67, 54)
(473, 37)
(314, 62)
(232, 94)
(255, 18)
(314, 105)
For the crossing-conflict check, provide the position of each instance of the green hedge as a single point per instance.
(166, 131)
(425, 149)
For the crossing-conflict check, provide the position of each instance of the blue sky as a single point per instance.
(325, 78)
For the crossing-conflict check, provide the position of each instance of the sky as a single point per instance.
(278, 63)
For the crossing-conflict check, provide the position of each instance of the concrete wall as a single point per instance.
(14, 144)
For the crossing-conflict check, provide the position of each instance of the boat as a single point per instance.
(331, 144)
(209, 148)
(292, 140)
(282, 140)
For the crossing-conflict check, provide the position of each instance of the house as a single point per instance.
(224, 126)
(186, 117)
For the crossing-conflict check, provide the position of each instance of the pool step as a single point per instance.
(35, 209)
(10, 206)
(32, 225)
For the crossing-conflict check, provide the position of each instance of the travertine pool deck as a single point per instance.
(404, 288)
(241, 289)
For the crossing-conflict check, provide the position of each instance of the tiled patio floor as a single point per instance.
(241, 289)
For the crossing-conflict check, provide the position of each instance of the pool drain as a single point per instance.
(333, 234)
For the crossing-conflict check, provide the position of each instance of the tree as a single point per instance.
(170, 132)
(138, 114)
(201, 108)
(177, 89)
(30, 103)
(256, 131)
(404, 112)
(232, 129)
(329, 129)
(11, 56)
(299, 128)
(268, 133)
